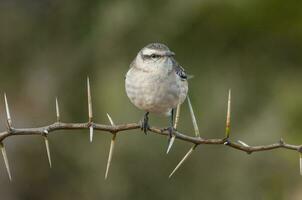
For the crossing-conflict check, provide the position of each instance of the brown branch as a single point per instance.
(115, 129)
(122, 128)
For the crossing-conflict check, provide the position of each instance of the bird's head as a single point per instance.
(155, 56)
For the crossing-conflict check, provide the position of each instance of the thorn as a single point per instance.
(5, 161)
(45, 131)
(243, 143)
(183, 159)
(177, 116)
(110, 120)
(171, 143)
(281, 141)
(91, 132)
(90, 115)
(228, 120)
(57, 110)
(193, 118)
(111, 150)
(47, 150)
(8, 117)
(300, 164)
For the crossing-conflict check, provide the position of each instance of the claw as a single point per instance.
(170, 130)
(226, 141)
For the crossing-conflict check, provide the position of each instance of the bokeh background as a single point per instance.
(47, 49)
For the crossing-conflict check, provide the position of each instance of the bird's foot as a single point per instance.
(170, 131)
(145, 123)
(226, 141)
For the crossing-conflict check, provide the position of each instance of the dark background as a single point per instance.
(47, 49)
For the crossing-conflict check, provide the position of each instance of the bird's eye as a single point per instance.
(153, 56)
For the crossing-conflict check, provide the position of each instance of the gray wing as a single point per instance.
(179, 70)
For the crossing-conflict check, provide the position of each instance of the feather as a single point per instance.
(179, 70)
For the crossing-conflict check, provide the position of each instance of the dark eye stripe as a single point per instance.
(151, 56)
(155, 56)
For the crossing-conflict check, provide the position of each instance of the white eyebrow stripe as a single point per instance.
(149, 51)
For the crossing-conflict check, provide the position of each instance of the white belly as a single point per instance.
(153, 92)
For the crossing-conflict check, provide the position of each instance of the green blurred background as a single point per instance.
(48, 47)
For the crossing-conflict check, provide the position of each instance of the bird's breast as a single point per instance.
(154, 92)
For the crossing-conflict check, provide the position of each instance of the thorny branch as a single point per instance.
(122, 128)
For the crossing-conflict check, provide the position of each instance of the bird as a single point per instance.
(156, 83)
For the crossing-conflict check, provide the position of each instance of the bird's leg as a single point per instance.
(145, 124)
(171, 127)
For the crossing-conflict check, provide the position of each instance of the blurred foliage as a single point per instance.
(47, 48)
